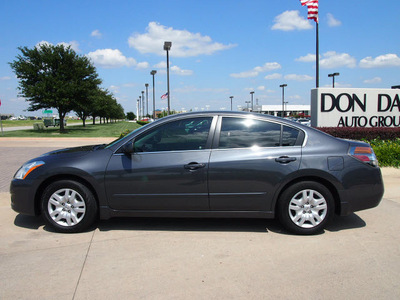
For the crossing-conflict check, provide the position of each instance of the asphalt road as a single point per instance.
(357, 257)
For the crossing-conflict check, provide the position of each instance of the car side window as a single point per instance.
(185, 134)
(245, 133)
(290, 136)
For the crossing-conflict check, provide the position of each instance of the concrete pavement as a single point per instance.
(356, 257)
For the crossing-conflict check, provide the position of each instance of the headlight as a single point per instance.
(27, 168)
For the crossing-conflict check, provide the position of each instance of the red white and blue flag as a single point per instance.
(165, 96)
(312, 6)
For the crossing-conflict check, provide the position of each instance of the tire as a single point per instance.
(69, 206)
(306, 207)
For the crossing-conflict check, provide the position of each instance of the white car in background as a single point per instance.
(306, 122)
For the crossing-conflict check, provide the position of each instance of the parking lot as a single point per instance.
(357, 256)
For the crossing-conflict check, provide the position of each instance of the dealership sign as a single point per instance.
(332, 107)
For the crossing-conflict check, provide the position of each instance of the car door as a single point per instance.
(166, 171)
(250, 158)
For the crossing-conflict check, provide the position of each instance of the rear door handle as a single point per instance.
(285, 159)
(194, 166)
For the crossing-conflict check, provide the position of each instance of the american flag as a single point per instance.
(165, 96)
(312, 6)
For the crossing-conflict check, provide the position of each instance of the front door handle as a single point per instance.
(285, 159)
(194, 166)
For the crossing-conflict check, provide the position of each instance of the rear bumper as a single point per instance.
(362, 196)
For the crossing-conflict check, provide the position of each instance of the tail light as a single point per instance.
(364, 154)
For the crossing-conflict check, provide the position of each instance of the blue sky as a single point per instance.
(219, 48)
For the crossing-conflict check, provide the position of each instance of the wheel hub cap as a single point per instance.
(308, 208)
(66, 207)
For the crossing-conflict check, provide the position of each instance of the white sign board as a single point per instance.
(333, 107)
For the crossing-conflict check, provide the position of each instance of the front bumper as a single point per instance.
(23, 197)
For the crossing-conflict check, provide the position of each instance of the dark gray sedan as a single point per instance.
(213, 164)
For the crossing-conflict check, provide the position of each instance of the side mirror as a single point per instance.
(129, 147)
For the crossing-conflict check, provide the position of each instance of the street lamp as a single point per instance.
(248, 102)
(283, 99)
(231, 101)
(286, 103)
(137, 109)
(143, 104)
(252, 107)
(140, 107)
(167, 47)
(333, 78)
(147, 98)
(153, 72)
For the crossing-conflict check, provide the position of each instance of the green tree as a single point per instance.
(130, 116)
(54, 77)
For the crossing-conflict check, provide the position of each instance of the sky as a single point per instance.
(219, 48)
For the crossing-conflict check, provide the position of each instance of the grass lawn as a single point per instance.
(103, 130)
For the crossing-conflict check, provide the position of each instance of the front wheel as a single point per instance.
(69, 206)
(306, 207)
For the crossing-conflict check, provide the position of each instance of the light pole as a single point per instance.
(283, 99)
(248, 102)
(333, 78)
(252, 107)
(231, 101)
(143, 115)
(147, 98)
(286, 103)
(137, 109)
(140, 103)
(153, 72)
(167, 47)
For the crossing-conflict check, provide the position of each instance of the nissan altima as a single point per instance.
(206, 164)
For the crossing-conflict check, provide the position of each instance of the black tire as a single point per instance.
(69, 206)
(306, 207)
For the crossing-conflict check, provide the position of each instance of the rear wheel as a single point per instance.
(69, 206)
(306, 207)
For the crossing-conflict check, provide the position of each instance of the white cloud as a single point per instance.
(291, 20)
(114, 88)
(184, 43)
(178, 71)
(174, 69)
(97, 34)
(298, 77)
(373, 80)
(261, 88)
(74, 45)
(111, 58)
(5, 78)
(268, 67)
(382, 61)
(142, 65)
(308, 58)
(332, 22)
(273, 76)
(257, 70)
(161, 65)
(192, 89)
(331, 59)
(245, 74)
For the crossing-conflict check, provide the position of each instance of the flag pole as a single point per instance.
(317, 56)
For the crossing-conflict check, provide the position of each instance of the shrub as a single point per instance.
(38, 126)
(387, 152)
(142, 122)
(358, 133)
